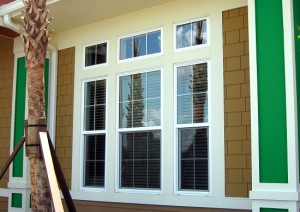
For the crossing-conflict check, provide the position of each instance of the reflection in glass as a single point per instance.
(192, 99)
(183, 35)
(140, 100)
(126, 48)
(191, 34)
(139, 48)
(154, 42)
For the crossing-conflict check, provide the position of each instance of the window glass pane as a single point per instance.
(139, 86)
(153, 84)
(94, 109)
(153, 112)
(94, 160)
(138, 111)
(154, 42)
(140, 100)
(193, 157)
(184, 80)
(126, 48)
(139, 48)
(183, 35)
(200, 102)
(185, 109)
(140, 168)
(199, 32)
(90, 55)
(125, 88)
(101, 53)
(192, 98)
(200, 78)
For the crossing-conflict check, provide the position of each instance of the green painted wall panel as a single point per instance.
(20, 110)
(19, 115)
(297, 56)
(273, 210)
(16, 200)
(271, 92)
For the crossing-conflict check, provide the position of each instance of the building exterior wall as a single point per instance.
(64, 110)
(6, 83)
(237, 102)
(82, 206)
(3, 204)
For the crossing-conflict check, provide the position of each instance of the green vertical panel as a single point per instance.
(16, 200)
(273, 210)
(297, 56)
(19, 115)
(46, 77)
(20, 110)
(271, 92)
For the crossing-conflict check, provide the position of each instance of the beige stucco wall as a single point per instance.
(64, 110)
(237, 102)
(6, 84)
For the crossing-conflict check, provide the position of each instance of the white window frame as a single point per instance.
(95, 132)
(119, 130)
(97, 65)
(144, 56)
(175, 49)
(192, 126)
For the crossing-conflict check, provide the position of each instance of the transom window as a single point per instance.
(94, 134)
(191, 34)
(96, 54)
(192, 127)
(140, 45)
(140, 130)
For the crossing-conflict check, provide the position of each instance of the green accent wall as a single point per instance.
(271, 92)
(273, 210)
(16, 200)
(297, 56)
(20, 110)
(19, 116)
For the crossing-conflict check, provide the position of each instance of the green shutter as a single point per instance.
(16, 200)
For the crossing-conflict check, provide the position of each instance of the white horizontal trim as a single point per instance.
(275, 195)
(4, 192)
(167, 200)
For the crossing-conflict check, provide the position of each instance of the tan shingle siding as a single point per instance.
(237, 103)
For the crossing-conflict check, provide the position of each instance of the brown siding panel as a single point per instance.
(90, 206)
(237, 103)
(3, 204)
(64, 110)
(6, 87)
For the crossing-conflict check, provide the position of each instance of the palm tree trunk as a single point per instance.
(35, 37)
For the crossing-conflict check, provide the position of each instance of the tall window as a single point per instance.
(140, 130)
(192, 127)
(96, 54)
(94, 133)
(140, 45)
(191, 34)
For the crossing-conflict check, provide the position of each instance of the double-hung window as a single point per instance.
(140, 45)
(191, 34)
(94, 133)
(140, 130)
(192, 127)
